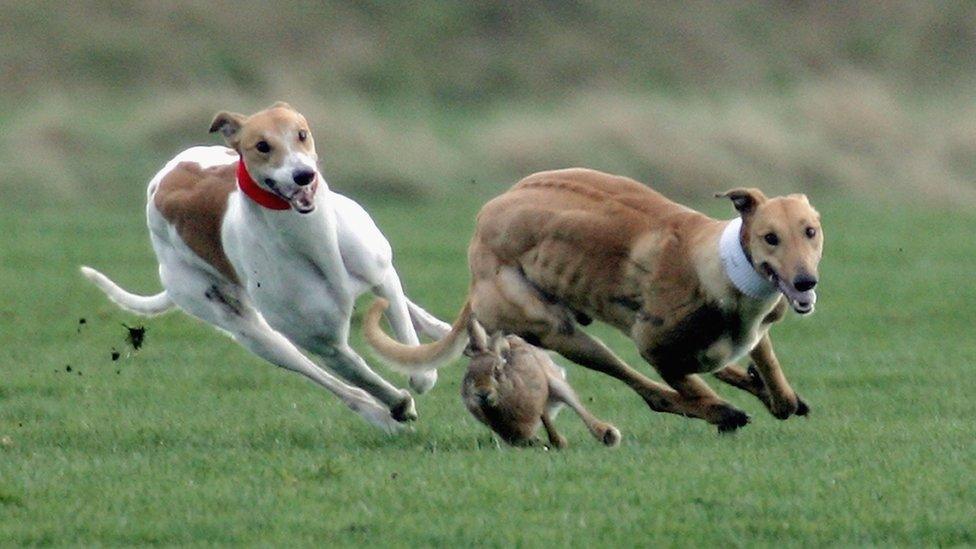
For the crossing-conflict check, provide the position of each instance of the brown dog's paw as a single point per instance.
(732, 420)
(801, 407)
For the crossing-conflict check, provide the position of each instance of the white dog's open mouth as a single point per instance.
(802, 302)
(303, 200)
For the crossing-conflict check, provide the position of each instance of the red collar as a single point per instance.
(264, 198)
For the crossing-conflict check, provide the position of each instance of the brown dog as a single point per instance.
(694, 293)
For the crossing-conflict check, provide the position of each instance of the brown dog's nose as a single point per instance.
(303, 177)
(804, 283)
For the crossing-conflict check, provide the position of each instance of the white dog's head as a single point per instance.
(278, 151)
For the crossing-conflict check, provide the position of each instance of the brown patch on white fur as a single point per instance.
(194, 199)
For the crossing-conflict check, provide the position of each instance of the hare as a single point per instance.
(511, 387)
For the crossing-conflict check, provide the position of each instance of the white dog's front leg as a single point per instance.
(398, 315)
(275, 348)
(225, 308)
(346, 362)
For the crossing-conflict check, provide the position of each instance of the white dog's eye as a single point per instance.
(302, 135)
(263, 147)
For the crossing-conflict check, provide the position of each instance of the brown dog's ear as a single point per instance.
(282, 105)
(477, 338)
(744, 200)
(228, 124)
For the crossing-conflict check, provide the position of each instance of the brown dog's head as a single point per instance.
(784, 241)
(278, 150)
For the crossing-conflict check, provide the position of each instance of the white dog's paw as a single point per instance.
(382, 420)
(421, 382)
(374, 412)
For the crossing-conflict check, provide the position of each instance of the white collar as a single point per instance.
(737, 266)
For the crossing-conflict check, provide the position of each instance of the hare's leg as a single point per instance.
(560, 390)
(558, 441)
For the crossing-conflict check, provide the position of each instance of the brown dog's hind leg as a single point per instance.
(708, 404)
(590, 352)
(560, 389)
(507, 301)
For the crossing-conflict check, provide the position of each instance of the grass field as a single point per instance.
(193, 441)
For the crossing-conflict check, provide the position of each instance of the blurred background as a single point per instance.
(420, 99)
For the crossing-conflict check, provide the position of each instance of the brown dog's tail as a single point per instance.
(413, 358)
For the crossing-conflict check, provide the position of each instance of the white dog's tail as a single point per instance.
(143, 305)
(413, 358)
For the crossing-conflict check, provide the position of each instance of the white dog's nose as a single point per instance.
(303, 176)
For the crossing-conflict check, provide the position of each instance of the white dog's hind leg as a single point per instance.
(206, 298)
(426, 323)
(399, 317)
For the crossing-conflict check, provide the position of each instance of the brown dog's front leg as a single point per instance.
(749, 381)
(783, 401)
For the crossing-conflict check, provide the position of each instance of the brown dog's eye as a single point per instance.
(302, 135)
(811, 232)
(771, 239)
(263, 147)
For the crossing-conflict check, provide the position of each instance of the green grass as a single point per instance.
(192, 440)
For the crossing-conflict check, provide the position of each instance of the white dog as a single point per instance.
(251, 240)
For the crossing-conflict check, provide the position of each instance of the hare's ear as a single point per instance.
(499, 345)
(477, 338)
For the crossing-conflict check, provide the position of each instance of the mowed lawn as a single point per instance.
(193, 440)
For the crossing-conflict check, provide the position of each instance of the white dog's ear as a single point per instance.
(229, 125)
(744, 200)
(282, 105)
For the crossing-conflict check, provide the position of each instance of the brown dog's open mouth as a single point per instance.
(801, 302)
